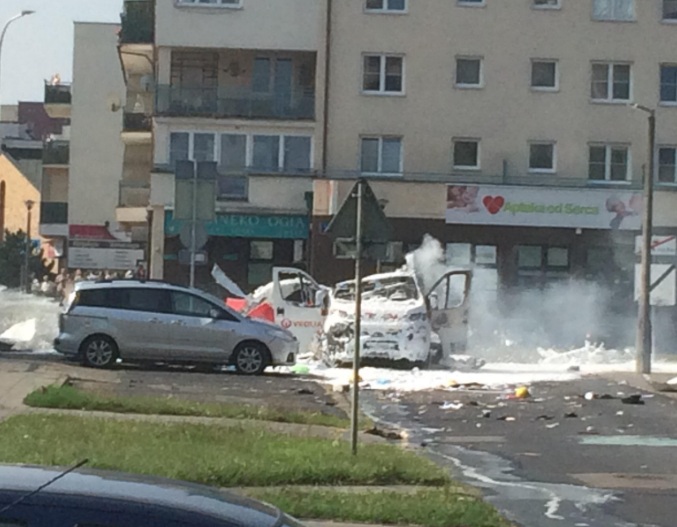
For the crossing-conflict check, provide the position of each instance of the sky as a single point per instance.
(40, 45)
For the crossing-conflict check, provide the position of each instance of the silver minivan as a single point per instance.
(147, 321)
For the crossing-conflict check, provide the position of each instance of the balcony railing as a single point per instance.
(56, 153)
(138, 22)
(57, 93)
(53, 213)
(137, 122)
(134, 194)
(176, 101)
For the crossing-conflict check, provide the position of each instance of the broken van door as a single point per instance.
(448, 306)
(300, 304)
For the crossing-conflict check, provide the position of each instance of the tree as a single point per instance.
(12, 260)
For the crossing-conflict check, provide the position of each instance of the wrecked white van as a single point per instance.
(400, 324)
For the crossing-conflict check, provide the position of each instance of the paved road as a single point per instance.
(607, 464)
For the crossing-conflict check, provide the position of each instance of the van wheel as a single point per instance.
(250, 358)
(99, 351)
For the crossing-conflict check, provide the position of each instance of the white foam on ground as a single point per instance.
(21, 313)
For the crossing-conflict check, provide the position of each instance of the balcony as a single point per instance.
(239, 103)
(134, 199)
(53, 213)
(58, 100)
(138, 22)
(56, 153)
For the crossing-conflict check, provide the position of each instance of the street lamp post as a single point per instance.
(27, 251)
(644, 328)
(4, 31)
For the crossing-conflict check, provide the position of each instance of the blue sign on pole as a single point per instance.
(248, 226)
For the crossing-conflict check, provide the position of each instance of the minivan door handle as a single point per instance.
(177, 323)
(280, 311)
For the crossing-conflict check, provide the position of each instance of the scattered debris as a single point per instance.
(330, 403)
(551, 426)
(387, 434)
(451, 406)
(486, 414)
(571, 415)
(590, 430)
(544, 418)
(633, 399)
(305, 391)
(300, 369)
(620, 412)
(522, 392)
(341, 388)
(589, 396)
(573, 368)
(505, 418)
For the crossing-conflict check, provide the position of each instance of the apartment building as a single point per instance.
(504, 129)
(240, 100)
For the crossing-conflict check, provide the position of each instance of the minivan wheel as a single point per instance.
(250, 358)
(99, 351)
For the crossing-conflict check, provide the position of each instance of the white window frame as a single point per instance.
(607, 164)
(380, 155)
(382, 75)
(666, 20)
(218, 4)
(613, 18)
(463, 85)
(385, 10)
(249, 155)
(471, 3)
(478, 161)
(672, 183)
(661, 102)
(546, 7)
(610, 82)
(553, 169)
(554, 88)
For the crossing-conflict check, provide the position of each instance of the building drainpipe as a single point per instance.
(325, 123)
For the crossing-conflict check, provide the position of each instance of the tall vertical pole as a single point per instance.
(193, 229)
(27, 251)
(644, 329)
(355, 411)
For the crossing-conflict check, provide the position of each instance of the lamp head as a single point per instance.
(27, 12)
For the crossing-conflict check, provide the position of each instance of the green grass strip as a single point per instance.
(70, 398)
(236, 456)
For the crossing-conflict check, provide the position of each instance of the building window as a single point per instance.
(610, 82)
(609, 163)
(381, 155)
(537, 266)
(468, 72)
(179, 147)
(471, 3)
(544, 75)
(542, 157)
(670, 10)
(386, 6)
(546, 4)
(467, 154)
(616, 10)
(669, 83)
(383, 74)
(210, 3)
(667, 165)
(260, 266)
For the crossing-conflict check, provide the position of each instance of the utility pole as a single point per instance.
(28, 249)
(355, 411)
(193, 230)
(644, 327)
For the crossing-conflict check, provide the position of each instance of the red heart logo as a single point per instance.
(494, 204)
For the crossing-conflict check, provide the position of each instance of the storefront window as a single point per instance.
(260, 269)
(485, 255)
(557, 257)
(529, 257)
(539, 266)
(459, 254)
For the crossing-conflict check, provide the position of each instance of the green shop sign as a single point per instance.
(248, 226)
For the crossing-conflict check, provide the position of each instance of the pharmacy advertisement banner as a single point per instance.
(544, 207)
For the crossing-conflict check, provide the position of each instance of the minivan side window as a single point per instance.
(4, 523)
(90, 298)
(188, 305)
(139, 299)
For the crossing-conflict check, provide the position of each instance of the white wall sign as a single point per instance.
(104, 256)
(660, 245)
(544, 207)
(665, 294)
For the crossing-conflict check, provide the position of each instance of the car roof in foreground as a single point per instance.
(116, 486)
(127, 282)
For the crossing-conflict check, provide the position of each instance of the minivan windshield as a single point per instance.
(389, 288)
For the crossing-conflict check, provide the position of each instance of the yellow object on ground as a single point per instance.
(522, 392)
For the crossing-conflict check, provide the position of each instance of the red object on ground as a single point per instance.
(263, 311)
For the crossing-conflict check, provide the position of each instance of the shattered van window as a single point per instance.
(393, 289)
